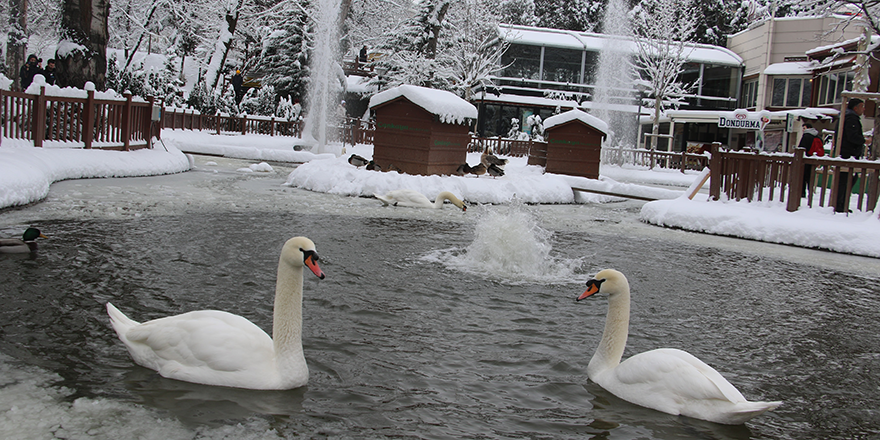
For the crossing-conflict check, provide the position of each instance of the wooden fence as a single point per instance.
(175, 118)
(507, 147)
(89, 122)
(757, 176)
(652, 158)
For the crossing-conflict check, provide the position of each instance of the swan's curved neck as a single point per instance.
(614, 337)
(438, 202)
(287, 320)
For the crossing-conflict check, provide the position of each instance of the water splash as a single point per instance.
(511, 247)
(324, 80)
(614, 77)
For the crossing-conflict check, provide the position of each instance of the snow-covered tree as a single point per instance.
(574, 15)
(259, 101)
(518, 12)
(662, 28)
(447, 45)
(284, 56)
(82, 52)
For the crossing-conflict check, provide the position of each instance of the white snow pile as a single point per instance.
(446, 105)
(26, 171)
(820, 228)
(576, 115)
(251, 146)
(521, 181)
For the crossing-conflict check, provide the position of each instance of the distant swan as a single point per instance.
(218, 348)
(414, 199)
(666, 379)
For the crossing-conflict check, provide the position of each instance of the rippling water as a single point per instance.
(429, 329)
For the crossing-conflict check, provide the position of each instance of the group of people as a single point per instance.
(33, 67)
(852, 145)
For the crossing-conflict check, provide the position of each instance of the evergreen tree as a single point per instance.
(573, 15)
(284, 60)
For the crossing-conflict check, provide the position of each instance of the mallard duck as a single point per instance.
(26, 244)
(479, 169)
(494, 170)
(373, 166)
(463, 169)
(358, 161)
(488, 158)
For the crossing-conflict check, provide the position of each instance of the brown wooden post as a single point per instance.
(244, 125)
(272, 127)
(126, 122)
(835, 149)
(89, 120)
(716, 171)
(39, 121)
(795, 181)
(217, 122)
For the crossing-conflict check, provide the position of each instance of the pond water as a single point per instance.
(427, 325)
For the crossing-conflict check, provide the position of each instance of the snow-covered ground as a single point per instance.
(27, 172)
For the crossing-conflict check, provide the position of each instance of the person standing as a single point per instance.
(813, 145)
(49, 71)
(237, 82)
(852, 144)
(27, 72)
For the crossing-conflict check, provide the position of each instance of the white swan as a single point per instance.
(668, 380)
(414, 199)
(218, 348)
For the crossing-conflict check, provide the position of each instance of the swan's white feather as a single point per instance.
(668, 380)
(218, 348)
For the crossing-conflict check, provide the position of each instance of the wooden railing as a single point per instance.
(175, 118)
(89, 122)
(507, 147)
(757, 176)
(652, 158)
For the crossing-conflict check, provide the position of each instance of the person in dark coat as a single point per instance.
(27, 71)
(852, 144)
(237, 81)
(49, 71)
(362, 57)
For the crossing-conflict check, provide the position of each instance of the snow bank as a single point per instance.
(521, 181)
(254, 147)
(446, 105)
(28, 171)
(820, 228)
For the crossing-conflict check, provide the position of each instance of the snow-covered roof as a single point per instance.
(359, 84)
(534, 36)
(791, 68)
(576, 115)
(875, 41)
(711, 116)
(446, 105)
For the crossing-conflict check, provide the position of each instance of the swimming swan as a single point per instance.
(414, 199)
(218, 348)
(668, 380)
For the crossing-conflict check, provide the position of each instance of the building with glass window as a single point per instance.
(794, 63)
(549, 70)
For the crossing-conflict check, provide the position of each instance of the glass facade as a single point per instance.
(832, 84)
(714, 86)
(791, 92)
